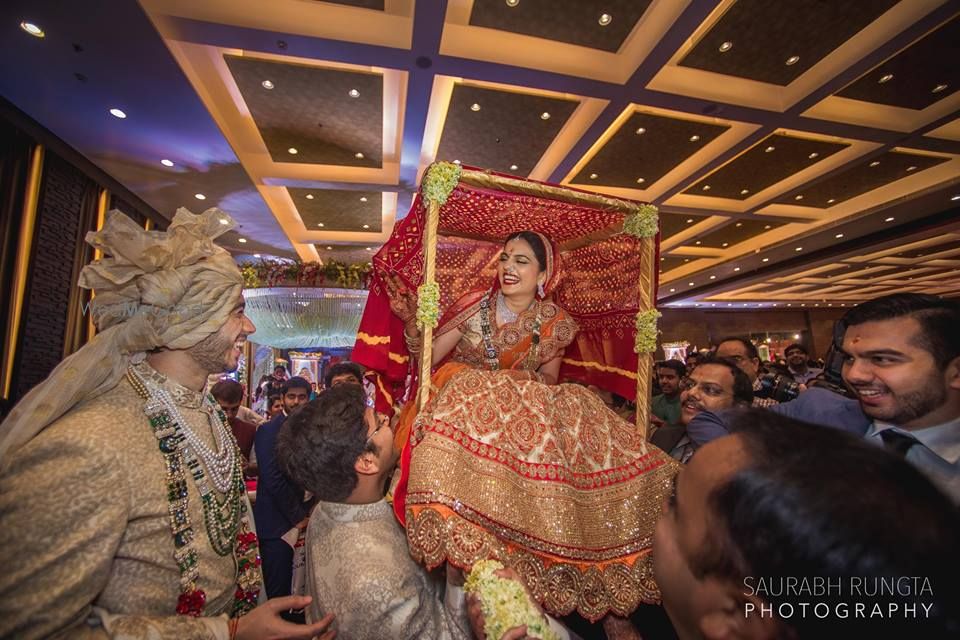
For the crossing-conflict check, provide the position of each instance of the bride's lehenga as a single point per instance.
(544, 477)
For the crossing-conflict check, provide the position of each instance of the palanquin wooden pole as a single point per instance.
(648, 250)
(429, 273)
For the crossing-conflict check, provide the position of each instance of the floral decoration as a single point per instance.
(505, 603)
(440, 181)
(428, 304)
(643, 222)
(647, 331)
(278, 273)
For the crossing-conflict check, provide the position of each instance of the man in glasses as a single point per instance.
(744, 353)
(716, 384)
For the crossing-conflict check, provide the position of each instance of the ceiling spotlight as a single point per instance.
(475, 107)
(594, 176)
(911, 168)
(726, 46)
(694, 138)
(726, 244)
(875, 163)
(363, 198)
(765, 260)
(713, 277)
(366, 226)
(513, 167)
(690, 284)
(359, 156)
(224, 221)
(545, 116)
(739, 224)
(890, 219)
(686, 259)
(512, 3)
(292, 151)
(955, 198)
(640, 180)
(813, 155)
(353, 93)
(800, 197)
(885, 78)
(256, 255)
(744, 192)
(166, 163)
(266, 84)
(698, 243)
(309, 196)
(706, 187)
(769, 149)
(672, 290)
(605, 19)
(32, 29)
(792, 60)
(329, 248)
(939, 88)
(736, 268)
(831, 200)
(199, 196)
(368, 248)
(799, 249)
(641, 131)
(689, 220)
(767, 227)
(320, 224)
(117, 113)
(242, 240)
(839, 235)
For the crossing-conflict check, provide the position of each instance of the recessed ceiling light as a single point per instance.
(955, 198)
(117, 113)
(792, 60)
(359, 156)
(911, 168)
(329, 248)
(729, 304)
(366, 226)
(885, 78)
(726, 46)
(768, 227)
(686, 259)
(803, 304)
(713, 277)
(800, 197)
(456, 162)
(224, 221)
(698, 243)
(32, 29)
(769, 149)
(513, 167)
(939, 88)
(694, 138)
(353, 93)
(593, 176)
(890, 219)
(839, 235)
(744, 192)
(368, 248)
(319, 224)
(475, 107)
(765, 260)
(512, 3)
(266, 84)
(672, 290)
(605, 19)
(813, 155)
(739, 224)
(706, 187)
(641, 131)
(545, 116)
(736, 268)
(689, 220)
(875, 163)
(690, 284)
(831, 200)
(799, 249)
(292, 151)
(726, 244)
(309, 196)
(199, 196)
(166, 163)
(363, 198)
(242, 240)
(640, 180)
(256, 255)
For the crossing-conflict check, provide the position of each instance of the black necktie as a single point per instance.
(897, 442)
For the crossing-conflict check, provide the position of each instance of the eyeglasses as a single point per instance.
(382, 421)
(708, 388)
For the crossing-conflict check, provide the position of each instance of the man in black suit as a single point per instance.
(279, 505)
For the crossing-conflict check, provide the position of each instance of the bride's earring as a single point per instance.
(540, 290)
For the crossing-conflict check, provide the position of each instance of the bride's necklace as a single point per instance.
(504, 312)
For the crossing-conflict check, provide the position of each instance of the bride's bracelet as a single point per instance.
(414, 344)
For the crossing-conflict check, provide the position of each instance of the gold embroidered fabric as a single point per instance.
(544, 477)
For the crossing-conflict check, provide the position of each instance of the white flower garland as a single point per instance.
(505, 603)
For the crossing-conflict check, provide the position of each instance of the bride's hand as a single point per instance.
(403, 301)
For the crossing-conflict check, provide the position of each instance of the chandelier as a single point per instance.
(291, 318)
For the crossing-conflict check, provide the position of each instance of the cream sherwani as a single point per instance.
(85, 532)
(359, 569)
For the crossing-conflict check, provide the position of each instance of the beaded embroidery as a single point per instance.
(226, 521)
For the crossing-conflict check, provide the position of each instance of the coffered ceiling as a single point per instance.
(801, 153)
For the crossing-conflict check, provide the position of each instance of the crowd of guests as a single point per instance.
(108, 532)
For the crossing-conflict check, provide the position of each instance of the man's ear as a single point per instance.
(739, 615)
(367, 464)
(952, 374)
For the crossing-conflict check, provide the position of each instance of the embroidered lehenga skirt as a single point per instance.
(545, 478)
